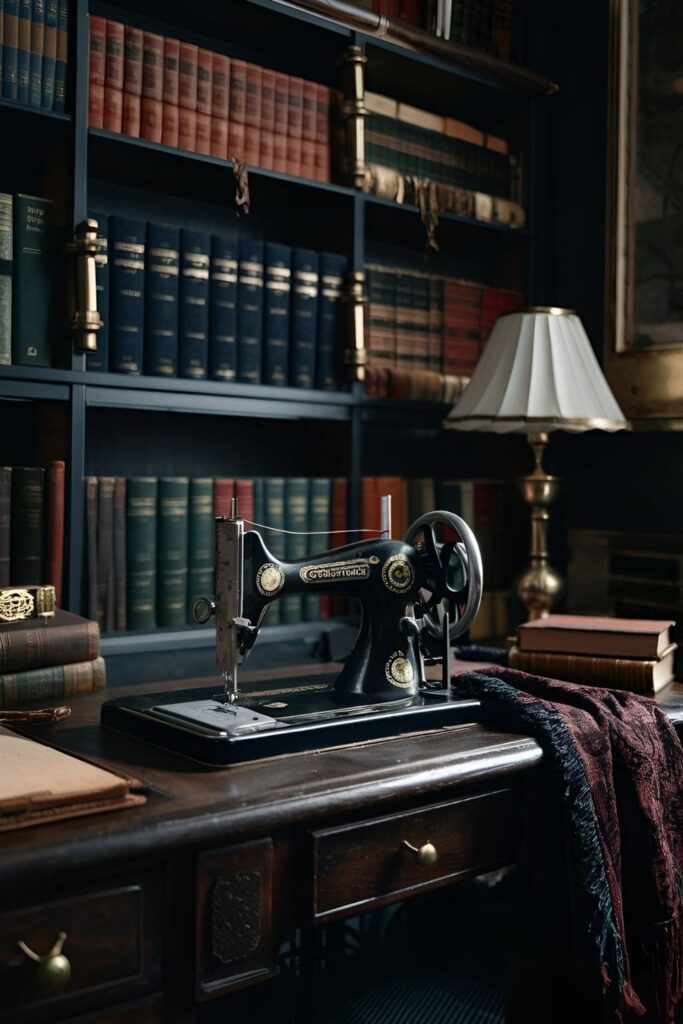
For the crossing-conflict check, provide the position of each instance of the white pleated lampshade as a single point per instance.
(537, 373)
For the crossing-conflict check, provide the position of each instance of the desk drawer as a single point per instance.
(367, 864)
(112, 945)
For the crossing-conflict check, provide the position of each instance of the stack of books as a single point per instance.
(50, 661)
(619, 654)
(34, 45)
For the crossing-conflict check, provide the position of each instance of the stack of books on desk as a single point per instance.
(49, 660)
(619, 654)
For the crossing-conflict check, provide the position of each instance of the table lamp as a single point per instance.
(538, 373)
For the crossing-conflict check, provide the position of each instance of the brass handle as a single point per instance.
(53, 968)
(426, 855)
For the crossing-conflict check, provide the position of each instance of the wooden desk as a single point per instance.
(183, 900)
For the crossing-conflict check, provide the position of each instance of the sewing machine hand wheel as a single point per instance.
(453, 573)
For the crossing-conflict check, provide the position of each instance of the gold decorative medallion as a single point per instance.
(269, 579)
(16, 604)
(399, 671)
(353, 569)
(397, 574)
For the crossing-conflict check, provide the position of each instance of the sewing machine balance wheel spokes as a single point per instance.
(453, 575)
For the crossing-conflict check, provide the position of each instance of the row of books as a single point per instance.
(483, 24)
(27, 250)
(49, 661)
(175, 93)
(32, 525)
(419, 321)
(34, 45)
(420, 144)
(180, 302)
(414, 385)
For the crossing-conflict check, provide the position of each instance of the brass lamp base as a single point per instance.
(540, 585)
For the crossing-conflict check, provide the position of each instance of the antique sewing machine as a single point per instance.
(416, 595)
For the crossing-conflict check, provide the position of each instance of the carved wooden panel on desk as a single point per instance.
(112, 944)
(234, 912)
(368, 864)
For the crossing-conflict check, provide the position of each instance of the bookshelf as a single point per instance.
(211, 427)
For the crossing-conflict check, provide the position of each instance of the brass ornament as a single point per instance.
(269, 579)
(328, 572)
(399, 671)
(16, 605)
(426, 855)
(53, 969)
(397, 574)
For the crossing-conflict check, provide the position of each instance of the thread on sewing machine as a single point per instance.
(308, 533)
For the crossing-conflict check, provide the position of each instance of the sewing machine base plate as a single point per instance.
(282, 720)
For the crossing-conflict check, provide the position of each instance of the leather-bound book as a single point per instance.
(91, 487)
(161, 300)
(223, 493)
(27, 564)
(330, 320)
(131, 116)
(319, 507)
(204, 88)
(220, 105)
(113, 77)
(126, 294)
(171, 84)
(304, 317)
(599, 635)
(250, 310)
(54, 526)
(200, 553)
(187, 96)
(223, 308)
(238, 109)
(646, 676)
(322, 136)
(295, 112)
(120, 553)
(52, 682)
(106, 613)
(193, 310)
(244, 492)
(132, 81)
(33, 281)
(141, 551)
(267, 137)
(276, 319)
(49, 53)
(151, 110)
(62, 55)
(35, 70)
(296, 541)
(252, 115)
(336, 604)
(281, 122)
(66, 639)
(24, 51)
(96, 66)
(172, 551)
(309, 112)
(5, 522)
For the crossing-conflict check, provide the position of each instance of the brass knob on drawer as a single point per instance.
(425, 855)
(53, 968)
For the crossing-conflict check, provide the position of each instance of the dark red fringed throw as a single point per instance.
(620, 765)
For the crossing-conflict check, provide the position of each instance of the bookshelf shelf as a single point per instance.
(390, 206)
(14, 107)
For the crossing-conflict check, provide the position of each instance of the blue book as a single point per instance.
(62, 54)
(50, 53)
(23, 50)
(33, 281)
(10, 42)
(250, 310)
(223, 308)
(35, 84)
(6, 260)
(276, 298)
(304, 317)
(330, 320)
(126, 294)
(162, 259)
(99, 360)
(193, 309)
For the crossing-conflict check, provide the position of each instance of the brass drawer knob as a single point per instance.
(425, 855)
(53, 968)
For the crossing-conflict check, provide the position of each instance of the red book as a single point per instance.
(132, 61)
(307, 158)
(252, 114)
(54, 534)
(187, 84)
(238, 91)
(236, 137)
(187, 128)
(204, 86)
(280, 130)
(322, 161)
(220, 105)
(409, 10)
(370, 512)
(152, 66)
(294, 156)
(309, 112)
(244, 492)
(95, 105)
(219, 138)
(322, 134)
(131, 124)
(113, 77)
(151, 120)
(223, 492)
(170, 76)
(295, 108)
(170, 125)
(266, 142)
(98, 47)
(203, 137)
(113, 110)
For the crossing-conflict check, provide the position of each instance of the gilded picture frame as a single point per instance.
(644, 263)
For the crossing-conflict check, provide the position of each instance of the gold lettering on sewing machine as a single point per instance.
(397, 574)
(399, 671)
(269, 579)
(327, 572)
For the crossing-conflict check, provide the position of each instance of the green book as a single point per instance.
(296, 542)
(274, 516)
(33, 276)
(200, 542)
(172, 512)
(319, 513)
(27, 525)
(141, 552)
(52, 682)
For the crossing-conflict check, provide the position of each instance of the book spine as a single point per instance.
(96, 70)
(335, 604)
(304, 317)
(33, 281)
(23, 50)
(91, 488)
(319, 510)
(152, 87)
(614, 673)
(278, 280)
(106, 615)
(49, 684)
(281, 123)
(187, 96)
(330, 326)
(10, 42)
(220, 105)
(296, 541)
(99, 360)
(6, 264)
(204, 88)
(113, 77)
(141, 552)
(322, 138)
(250, 311)
(49, 54)
(274, 516)
(132, 81)
(267, 138)
(172, 551)
(244, 492)
(295, 109)
(162, 258)
(120, 553)
(238, 109)
(193, 311)
(27, 525)
(200, 553)
(5, 523)
(62, 55)
(127, 294)
(252, 114)
(223, 309)
(223, 493)
(54, 520)
(24, 650)
(171, 85)
(35, 87)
